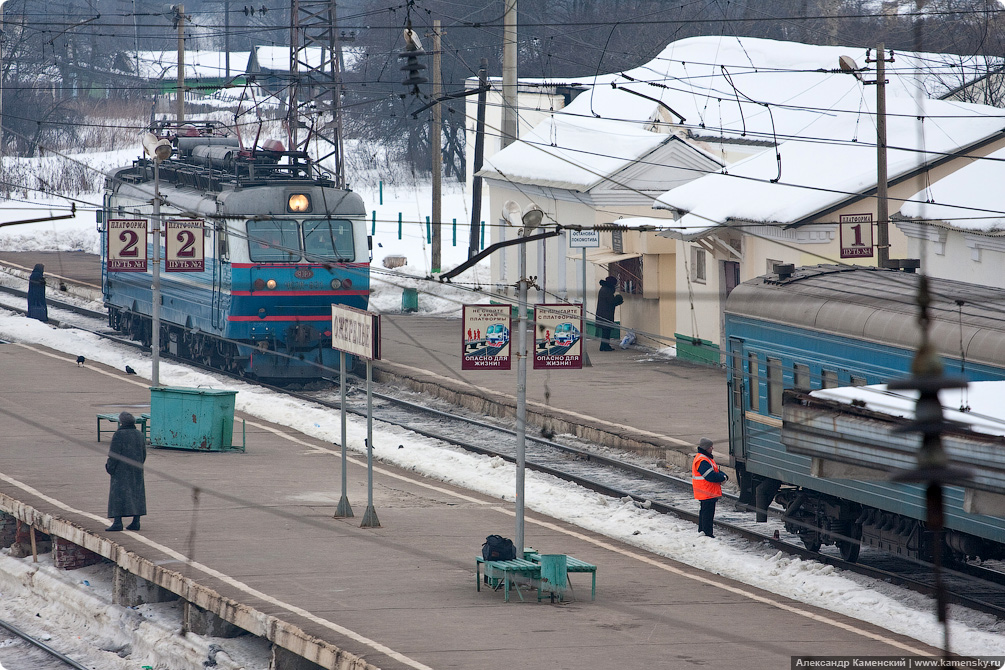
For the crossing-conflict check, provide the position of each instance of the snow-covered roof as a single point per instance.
(968, 199)
(832, 162)
(572, 152)
(717, 88)
(198, 64)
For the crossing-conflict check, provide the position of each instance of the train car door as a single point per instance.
(736, 382)
(221, 260)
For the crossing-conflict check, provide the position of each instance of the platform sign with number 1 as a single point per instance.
(856, 235)
(184, 246)
(127, 245)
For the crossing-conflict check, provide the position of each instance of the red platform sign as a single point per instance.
(184, 246)
(126, 245)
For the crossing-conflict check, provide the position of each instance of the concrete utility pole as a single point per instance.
(435, 134)
(476, 182)
(882, 204)
(180, 20)
(509, 88)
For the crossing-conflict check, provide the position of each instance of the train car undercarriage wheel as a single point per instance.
(850, 548)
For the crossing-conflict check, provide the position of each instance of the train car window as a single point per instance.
(801, 376)
(273, 241)
(828, 379)
(330, 239)
(775, 386)
(858, 381)
(754, 383)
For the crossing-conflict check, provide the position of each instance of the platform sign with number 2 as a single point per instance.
(127, 245)
(184, 246)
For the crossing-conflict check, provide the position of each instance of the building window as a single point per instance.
(698, 265)
(801, 376)
(753, 383)
(774, 386)
(629, 275)
(828, 379)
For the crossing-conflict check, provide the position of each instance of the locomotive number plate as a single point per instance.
(303, 273)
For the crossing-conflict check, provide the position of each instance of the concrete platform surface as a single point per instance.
(252, 538)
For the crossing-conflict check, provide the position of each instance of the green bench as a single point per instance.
(501, 573)
(141, 423)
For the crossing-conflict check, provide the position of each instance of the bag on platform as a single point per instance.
(498, 548)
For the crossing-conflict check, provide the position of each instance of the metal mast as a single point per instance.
(315, 81)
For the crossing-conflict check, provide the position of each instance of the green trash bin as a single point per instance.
(554, 575)
(410, 300)
(192, 418)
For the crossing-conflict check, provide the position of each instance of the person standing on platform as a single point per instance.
(126, 494)
(37, 308)
(707, 483)
(606, 302)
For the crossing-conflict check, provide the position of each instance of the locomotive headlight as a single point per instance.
(259, 284)
(347, 284)
(336, 284)
(271, 284)
(298, 202)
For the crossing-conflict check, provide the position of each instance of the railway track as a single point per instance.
(20, 651)
(971, 586)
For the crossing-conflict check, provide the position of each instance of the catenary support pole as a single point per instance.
(521, 401)
(509, 87)
(155, 310)
(476, 181)
(882, 203)
(181, 63)
(435, 136)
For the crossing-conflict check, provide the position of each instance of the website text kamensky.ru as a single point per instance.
(816, 662)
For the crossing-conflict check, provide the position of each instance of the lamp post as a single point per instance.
(531, 218)
(158, 150)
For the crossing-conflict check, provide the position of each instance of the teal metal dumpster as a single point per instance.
(409, 300)
(192, 418)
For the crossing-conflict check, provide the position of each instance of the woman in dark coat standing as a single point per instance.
(37, 308)
(126, 495)
(606, 302)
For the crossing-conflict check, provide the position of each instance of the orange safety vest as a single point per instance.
(704, 490)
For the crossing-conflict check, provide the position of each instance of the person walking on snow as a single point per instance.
(707, 483)
(606, 302)
(126, 492)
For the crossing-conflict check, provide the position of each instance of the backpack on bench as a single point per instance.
(498, 548)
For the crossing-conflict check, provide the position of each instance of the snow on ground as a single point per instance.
(805, 581)
(878, 603)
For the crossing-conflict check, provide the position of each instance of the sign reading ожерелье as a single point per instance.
(356, 332)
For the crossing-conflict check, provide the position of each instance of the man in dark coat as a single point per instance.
(37, 308)
(126, 495)
(606, 302)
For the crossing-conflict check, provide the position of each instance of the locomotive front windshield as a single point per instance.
(273, 241)
(330, 239)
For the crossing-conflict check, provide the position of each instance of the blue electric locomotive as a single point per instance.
(282, 244)
(828, 326)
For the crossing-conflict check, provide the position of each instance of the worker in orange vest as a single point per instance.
(707, 483)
